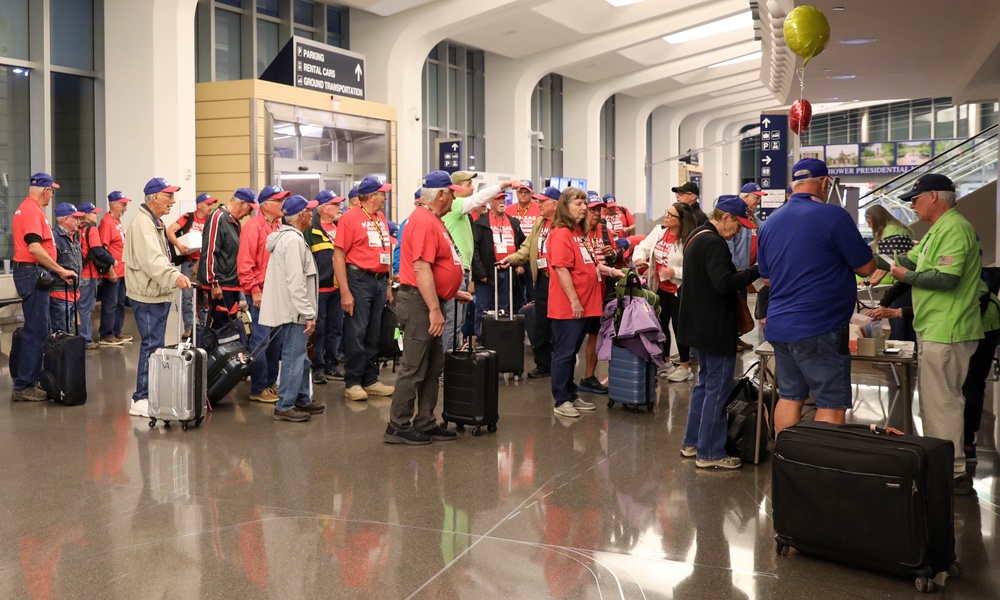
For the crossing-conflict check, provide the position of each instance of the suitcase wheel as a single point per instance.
(649, 407)
(459, 427)
(492, 428)
(955, 569)
(611, 403)
(477, 432)
(924, 584)
(518, 376)
(152, 423)
(184, 425)
(781, 549)
(197, 423)
(166, 424)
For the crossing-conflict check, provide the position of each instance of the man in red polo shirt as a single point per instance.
(113, 287)
(188, 222)
(430, 273)
(362, 258)
(34, 265)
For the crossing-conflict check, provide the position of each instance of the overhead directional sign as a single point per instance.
(314, 66)
(772, 171)
(450, 155)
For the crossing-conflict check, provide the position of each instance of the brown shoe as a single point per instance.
(315, 408)
(122, 339)
(294, 414)
(93, 346)
(379, 389)
(741, 346)
(29, 394)
(267, 397)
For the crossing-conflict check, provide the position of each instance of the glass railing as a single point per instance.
(971, 164)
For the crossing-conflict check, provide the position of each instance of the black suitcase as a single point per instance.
(504, 333)
(15, 352)
(64, 366)
(741, 414)
(528, 312)
(471, 389)
(867, 498)
(229, 361)
(388, 336)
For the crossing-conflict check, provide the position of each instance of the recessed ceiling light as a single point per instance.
(618, 3)
(839, 8)
(826, 70)
(743, 20)
(859, 41)
(856, 100)
(841, 77)
(739, 59)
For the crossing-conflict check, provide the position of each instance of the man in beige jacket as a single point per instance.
(150, 281)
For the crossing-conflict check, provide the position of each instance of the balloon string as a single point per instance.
(802, 82)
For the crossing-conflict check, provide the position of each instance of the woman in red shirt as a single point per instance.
(668, 261)
(575, 294)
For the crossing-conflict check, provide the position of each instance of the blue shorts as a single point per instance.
(815, 365)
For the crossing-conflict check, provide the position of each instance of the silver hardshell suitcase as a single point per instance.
(178, 383)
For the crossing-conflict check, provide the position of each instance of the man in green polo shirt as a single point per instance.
(944, 270)
(460, 227)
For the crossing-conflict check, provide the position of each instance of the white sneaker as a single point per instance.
(139, 408)
(665, 370)
(566, 409)
(680, 374)
(579, 405)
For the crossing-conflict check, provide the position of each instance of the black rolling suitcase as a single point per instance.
(528, 312)
(741, 416)
(388, 337)
(504, 333)
(866, 497)
(64, 368)
(471, 389)
(229, 361)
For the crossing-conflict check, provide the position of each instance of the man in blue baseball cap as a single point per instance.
(810, 252)
(220, 247)
(330, 315)
(289, 301)
(621, 222)
(187, 256)
(96, 259)
(64, 296)
(112, 292)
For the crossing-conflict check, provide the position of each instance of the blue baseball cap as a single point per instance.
(549, 193)
(88, 207)
(246, 195)
(610, 200)
(418, 193)
(297, 204)
(735, 206)
(117, 196)
(205, 198)
(752, 188)
(328, 196)
(526, 183)
(393, 228)
(808, 168)
(43, 180)
(157, 185)
(622, 244)
(351, 195)
(272, 192)
(68, 209)
(931, 182)
(371, 184)
(439, 179)
(594, 199)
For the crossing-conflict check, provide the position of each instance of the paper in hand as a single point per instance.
(888, 259)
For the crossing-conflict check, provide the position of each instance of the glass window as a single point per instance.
(233, 3)
(267, 44)
(73, 156)
(15, 148)
(922, 120)
(453, 99)
(988, 114)
(304, 33)
(839, 128)
(962, 127)
(14, 25)
(73, 45)
(899, 121)
(267, 7)
(878, 124)
(333, 20)
(227, 46)
(432, 95)
(452, 55)
(304, 13)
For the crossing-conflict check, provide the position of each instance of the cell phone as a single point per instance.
(891, 351)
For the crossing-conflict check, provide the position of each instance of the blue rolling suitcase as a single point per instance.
(631, 380)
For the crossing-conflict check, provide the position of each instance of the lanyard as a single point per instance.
(546, 225)
(498, 228)
(526, 211)
(447, 233)
(589, 247)
(378, 226)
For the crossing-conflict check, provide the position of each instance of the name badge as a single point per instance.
(543, 263)
(586, 256)
(500, 248)
(374, 239)
(497, 238)
(384, 258)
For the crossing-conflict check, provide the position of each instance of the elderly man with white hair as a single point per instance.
(64, 295)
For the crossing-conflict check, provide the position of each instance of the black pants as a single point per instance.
(974, 388)
(543, 326)
(670, 308)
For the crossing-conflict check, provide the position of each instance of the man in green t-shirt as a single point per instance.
(944, 271)
(460, 227)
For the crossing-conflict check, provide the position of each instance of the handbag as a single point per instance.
(744, 320)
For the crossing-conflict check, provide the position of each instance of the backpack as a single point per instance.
(99, 256)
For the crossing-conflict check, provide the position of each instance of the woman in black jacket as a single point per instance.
(495, 235)
(707, 323)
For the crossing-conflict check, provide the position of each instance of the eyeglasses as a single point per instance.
(670, 214)
(913, 200)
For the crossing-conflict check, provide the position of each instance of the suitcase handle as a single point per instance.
(496, 292)
(76, 322)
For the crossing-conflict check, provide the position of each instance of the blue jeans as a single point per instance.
(35, 306)
(264, 368)
(88, 299)
(294, 387)
(112, 308)
(706, 422)
(151, 321)
(60, 315)
(814, 364)
(450, 317)
(362, 328)
(568, 337)
(484, 297)
(329, 331)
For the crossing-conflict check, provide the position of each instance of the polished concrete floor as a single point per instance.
(98, 505)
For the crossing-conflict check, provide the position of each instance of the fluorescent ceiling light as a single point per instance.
(617, 3)
(741, 21)
(739, 59)
(859, 41)
(841, 77)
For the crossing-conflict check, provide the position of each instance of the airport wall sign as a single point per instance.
(320, 67)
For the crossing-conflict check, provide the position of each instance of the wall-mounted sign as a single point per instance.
(772, 168)
(315, 66)
(450, 155)
(877, 158)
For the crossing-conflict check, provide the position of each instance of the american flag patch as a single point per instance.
(945, 261)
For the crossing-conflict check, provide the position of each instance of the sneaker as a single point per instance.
(92, 346)
(294, 414)
(726, 462)
(538, 373)
(314, 408)
(379, 389)
(665, 370)
(566, 409)
(963, 485)
(319, 377)
(441, 434)
(579, 405)
(356, 393)
(267, 397)
(680, 374)
(139, 408)
(273, 389)
(592, 385)
(397, 436)
(122, 339)
(29, 394)
(111, 341)
(336, 375)
(689, 451)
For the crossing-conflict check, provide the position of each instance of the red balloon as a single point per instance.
(800, 116)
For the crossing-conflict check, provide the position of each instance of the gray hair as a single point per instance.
(809, 180)
(427, 195)
(949, 198)
(149, 198)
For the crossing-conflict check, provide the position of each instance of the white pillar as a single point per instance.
(630, 153)
(508, 116)
(582, 132)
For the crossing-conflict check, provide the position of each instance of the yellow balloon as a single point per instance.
(807, 32)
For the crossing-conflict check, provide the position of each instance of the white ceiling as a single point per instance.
(924, 48)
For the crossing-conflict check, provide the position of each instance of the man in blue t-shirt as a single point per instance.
(810, 251)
